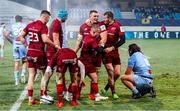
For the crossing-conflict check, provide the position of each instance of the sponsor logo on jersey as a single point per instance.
(103, 27)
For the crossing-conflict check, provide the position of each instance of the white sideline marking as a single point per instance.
(19, 101)
(124, 49)
(21, 98)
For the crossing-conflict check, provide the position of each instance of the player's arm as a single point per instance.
(128, 71)
(82, 72)
(103, 40)
(82, 69)
(78, 43)
(119, 43)
(46, 39)
(97, 48)
(22, 38)
(56, 39)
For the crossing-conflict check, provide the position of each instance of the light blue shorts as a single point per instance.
(19, 52)
(141, 80)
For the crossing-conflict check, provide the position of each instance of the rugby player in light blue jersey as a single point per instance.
(3, 34)
(138, 77)
(19, 50)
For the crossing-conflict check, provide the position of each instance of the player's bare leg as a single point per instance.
(45, 98)
(16, 71)
(74, 88)
(94, 89)
(128, 81)
(115, 70)
(1, 51)
(24, 71)
(32, 73)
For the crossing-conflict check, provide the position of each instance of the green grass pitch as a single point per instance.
(165, 60)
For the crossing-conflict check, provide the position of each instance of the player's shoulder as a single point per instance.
(101, 23)
(117, 23)
(84, 25)
(56, 21)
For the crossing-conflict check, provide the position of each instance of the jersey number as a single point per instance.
(33, 37)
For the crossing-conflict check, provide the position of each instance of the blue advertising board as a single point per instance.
(152, 35)
(141, 35)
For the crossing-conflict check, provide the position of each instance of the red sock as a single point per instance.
(41, 92)
(94, 87)
(75, 91)
(30, 93)
(59, 89)
(79, 92)
(91, 89)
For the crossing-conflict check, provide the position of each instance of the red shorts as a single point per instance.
(98, 60)
(73, 68)
(113, 58)
(89, 66)
(37, 62)
(37, 59)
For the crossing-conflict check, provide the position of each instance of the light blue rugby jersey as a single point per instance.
(16, 28)
(2, 30)
(140, 64)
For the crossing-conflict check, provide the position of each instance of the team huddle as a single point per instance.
(97, 42)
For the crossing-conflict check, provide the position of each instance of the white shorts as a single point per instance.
(1, 41)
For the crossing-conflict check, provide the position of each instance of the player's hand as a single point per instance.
(82, 84)
(48, 69)
(109, 49)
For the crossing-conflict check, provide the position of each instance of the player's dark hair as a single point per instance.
(134, 48)
(45, 12)
(92, 11)
(18, 18)
(109, 14)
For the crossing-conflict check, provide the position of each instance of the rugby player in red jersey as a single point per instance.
(56, 35)
(111, 59)
(63, 59)
(88, 57)
(85, 30)
(37, 32)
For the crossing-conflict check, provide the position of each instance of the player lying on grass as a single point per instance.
(63, 59)
(138, 77)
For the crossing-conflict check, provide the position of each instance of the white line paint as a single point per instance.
(19, 101)
(21, 98)
(124, 49)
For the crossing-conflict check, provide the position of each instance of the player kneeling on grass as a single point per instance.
(63, 59)
(138, 77)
